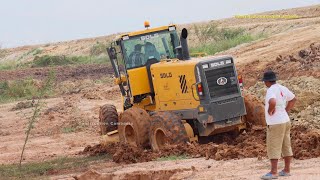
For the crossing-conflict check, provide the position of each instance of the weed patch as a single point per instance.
(213, 39)
(45, 61)
(41, 169)
(172, 158)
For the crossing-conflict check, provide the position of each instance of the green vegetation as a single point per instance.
(32, 52)
(98, 49)
(43, 91)
(21, 89)
(173, 158)
(213, 39)
(47, 60)
(36, 169)
(16, 90)
(8, 65)
(2, 52)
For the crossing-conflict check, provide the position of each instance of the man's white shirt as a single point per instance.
(282, 96)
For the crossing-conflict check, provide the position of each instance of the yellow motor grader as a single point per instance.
(168, 97)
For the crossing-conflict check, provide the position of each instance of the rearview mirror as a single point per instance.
(112, 52)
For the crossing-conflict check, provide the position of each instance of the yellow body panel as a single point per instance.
(139, 82)
(173, 83)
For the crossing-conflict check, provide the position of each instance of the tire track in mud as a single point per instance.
(305, 144)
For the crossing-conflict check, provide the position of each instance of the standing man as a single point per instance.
(278, 102)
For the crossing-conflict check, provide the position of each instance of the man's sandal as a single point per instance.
(282, 173)
(269, 176)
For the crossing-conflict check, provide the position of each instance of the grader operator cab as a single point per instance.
(169, 98)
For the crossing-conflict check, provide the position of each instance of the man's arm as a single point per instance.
(290, 104)
(272, 106)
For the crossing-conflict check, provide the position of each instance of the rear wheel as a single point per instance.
(108, 118)
(166, 128)
(134, 126)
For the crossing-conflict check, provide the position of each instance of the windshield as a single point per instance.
(154, 46)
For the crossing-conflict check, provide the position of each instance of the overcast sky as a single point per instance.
(24, 22)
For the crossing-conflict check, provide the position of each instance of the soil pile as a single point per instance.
(306, 144)
(307, 109)
(305, 62)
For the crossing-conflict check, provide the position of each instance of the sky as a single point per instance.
(26, 22)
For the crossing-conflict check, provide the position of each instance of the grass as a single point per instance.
(47, 60)
(8, 65)
(172, 158)
(20, 90)
(98, 49)
(213, 47)
(68, 130)
(213, 39)
(42, 169)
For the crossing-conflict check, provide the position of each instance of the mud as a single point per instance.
(62, 73)
(251, 144)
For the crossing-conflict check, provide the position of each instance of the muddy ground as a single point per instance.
(250, 144)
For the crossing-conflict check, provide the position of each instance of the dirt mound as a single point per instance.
(305, 62)
(255, 110)
(306, 144)
(306, 111)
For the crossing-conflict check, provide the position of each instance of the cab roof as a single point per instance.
(145, 31)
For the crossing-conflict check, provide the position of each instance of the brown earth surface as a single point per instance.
(195, 168)
(305, 144)
(66, 125)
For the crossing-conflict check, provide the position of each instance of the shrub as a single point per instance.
(98, 49)
(20, 89)
(213, 39)
(47, 60)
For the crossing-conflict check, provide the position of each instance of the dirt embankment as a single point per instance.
(305, 62)
(62, 73)
(305, 143)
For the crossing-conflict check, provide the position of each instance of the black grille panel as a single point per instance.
(212, 75)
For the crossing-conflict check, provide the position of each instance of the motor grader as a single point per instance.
(168, 97)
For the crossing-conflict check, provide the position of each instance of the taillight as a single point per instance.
(240, 81)
(200, 89)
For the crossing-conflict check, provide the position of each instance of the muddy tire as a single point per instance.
(166, 128)
(108, 118)
(255, 110)
(134, 126)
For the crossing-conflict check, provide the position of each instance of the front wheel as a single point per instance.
(166, 128)
(133, 127)
(108, 118)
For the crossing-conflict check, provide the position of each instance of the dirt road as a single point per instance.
(65, 127)
(197, 168)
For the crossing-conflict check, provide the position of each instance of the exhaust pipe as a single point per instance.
(184, 44)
